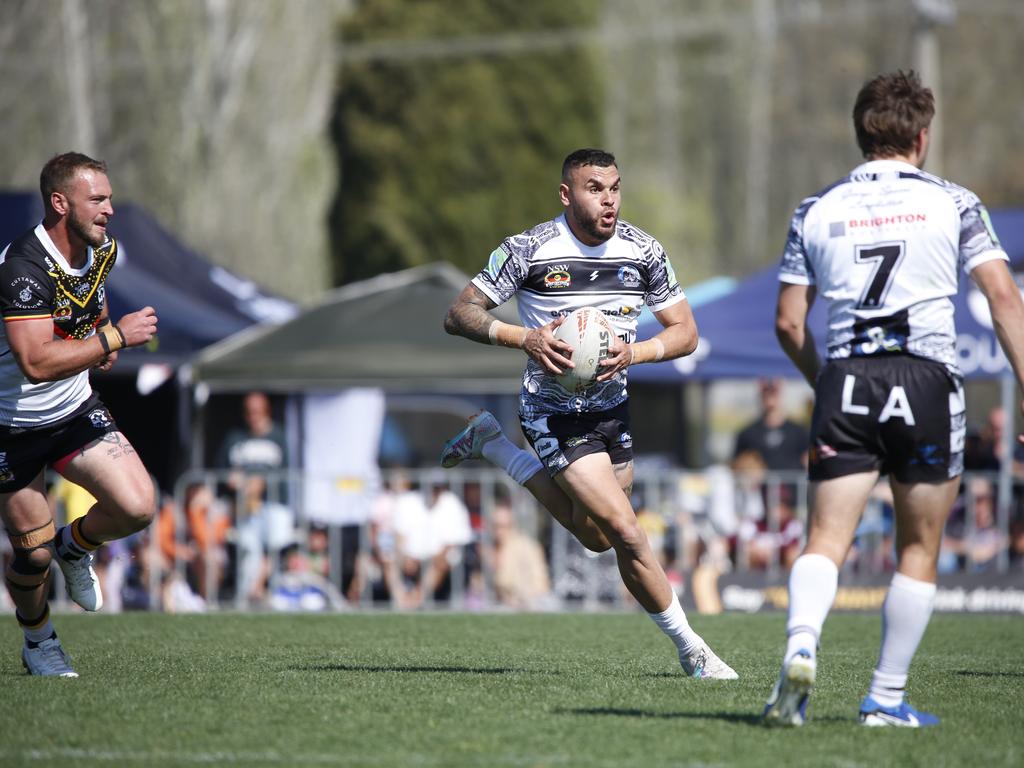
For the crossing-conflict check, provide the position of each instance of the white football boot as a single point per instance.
(704, 664)
(787, 704)
(468, 444)
(47, 659)
(81, 581)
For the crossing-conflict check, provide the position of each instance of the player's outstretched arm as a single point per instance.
(41, 357)
(996, 282)
(797, 342)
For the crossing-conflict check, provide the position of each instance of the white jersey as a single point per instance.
(884, 246)
(552, 273)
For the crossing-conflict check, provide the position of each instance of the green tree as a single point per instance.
(444, 150)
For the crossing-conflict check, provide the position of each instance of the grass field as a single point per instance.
(597, 690)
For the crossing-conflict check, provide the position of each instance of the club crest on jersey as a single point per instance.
(99, 418)
(558, 277)
(28, 294)
(5, 471)
(629, 277)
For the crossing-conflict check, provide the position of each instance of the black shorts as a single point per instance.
(562, 438)
(25, 452)
(901, 415)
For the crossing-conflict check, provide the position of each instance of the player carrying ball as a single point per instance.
(585, 257)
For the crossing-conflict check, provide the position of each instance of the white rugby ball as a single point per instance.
(590, 335)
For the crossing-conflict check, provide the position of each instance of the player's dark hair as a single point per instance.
(61, 169)
(582, 157)
(890, 112)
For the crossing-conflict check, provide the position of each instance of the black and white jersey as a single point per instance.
(36, 282)
(551, 273)
(884, 246)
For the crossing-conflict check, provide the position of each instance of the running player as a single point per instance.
(884, 246)
(56, 328)
(585, 257)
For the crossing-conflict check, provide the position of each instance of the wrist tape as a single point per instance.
(110, 336)
(505, 335)
(650, 351)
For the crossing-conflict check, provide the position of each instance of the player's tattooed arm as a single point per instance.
(468, 315)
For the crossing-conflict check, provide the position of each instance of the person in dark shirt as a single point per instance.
(780, 442)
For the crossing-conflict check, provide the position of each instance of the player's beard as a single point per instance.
(592, 226)
(84, 230)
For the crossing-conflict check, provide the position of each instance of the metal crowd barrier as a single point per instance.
(733, 521)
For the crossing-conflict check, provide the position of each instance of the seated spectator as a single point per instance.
(520, 571)
(201, 545)
(976, 545)
(298, 588)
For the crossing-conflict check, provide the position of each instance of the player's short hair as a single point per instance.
(61, 169)
(582, 157)
(890, 112)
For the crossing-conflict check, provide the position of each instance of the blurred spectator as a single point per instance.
(299, 588)
(201, 545)
(777, 538)
(521, 579)
(430, 539)
(972, 536)
(382, 571)
(264, 524)
(780, 442)
(983, 450)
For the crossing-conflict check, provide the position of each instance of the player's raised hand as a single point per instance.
(552, 354)
(138, 327)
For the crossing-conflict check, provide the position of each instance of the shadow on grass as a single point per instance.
(982, 673)
(730, 717)
(397, 668)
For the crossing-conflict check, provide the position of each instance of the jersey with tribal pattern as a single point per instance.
(37, 283)
(551, 273)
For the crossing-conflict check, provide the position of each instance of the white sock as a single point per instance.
(672, 621)
(905, 615)
(813, 582)
(520, 464)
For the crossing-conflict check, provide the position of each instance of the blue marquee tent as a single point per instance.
(737, 331)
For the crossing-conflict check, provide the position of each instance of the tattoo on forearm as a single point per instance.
(469, 317)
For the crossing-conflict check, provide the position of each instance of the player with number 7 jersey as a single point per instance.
(884, 247)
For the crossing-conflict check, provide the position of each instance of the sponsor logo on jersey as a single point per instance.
(626, 440)
(593, 275)
(877, 222)
(28, 292)
(630, 276)
(558, 277)
(836, 228)
(573, 442)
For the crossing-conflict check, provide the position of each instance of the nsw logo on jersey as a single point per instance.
(558, 276)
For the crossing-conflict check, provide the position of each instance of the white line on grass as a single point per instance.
(343, 757)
